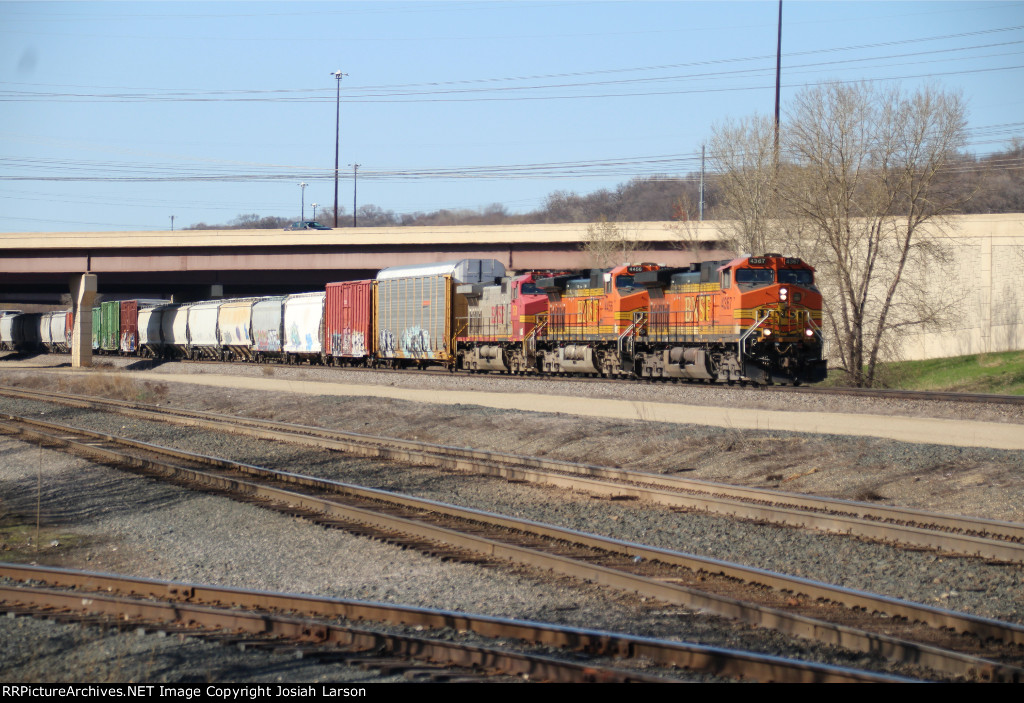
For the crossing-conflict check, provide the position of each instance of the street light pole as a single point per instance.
(302, 217)
(337, 139)
(355, 185)
(315, 205)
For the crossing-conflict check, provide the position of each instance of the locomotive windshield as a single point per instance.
(624, 282)
(800, 277)
(530, 288)
(754, 277)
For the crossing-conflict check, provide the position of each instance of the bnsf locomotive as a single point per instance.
(754, 319)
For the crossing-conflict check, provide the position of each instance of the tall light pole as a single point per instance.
(315, 206)
(302, 217)
(355, 185)
(337, 139)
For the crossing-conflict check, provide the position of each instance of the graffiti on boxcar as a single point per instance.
(348, 343)
(416, 342)
(386, 343)
(268, 340)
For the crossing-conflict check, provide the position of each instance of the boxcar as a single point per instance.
(10, 329)
(130, 310)
(268, 328)
(150, 320)
(110, 326)
(416, 308)
(97, 315)
(203, 337)
(348, 321)
(174, 330)
(304, 327)
(234, 321)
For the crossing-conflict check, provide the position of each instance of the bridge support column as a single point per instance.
(83, 292)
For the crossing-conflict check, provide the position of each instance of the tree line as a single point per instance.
(994, 182)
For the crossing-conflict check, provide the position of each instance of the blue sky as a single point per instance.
(118, 115)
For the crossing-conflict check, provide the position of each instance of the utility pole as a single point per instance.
(302, 217)
(355, 185)
(337, 139)
(172, 223)
(778, 82)
(701, 203)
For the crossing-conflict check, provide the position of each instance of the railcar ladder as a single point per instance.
(626, 342)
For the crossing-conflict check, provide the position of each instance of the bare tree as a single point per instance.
(611, 243)
(860, 195)
(743, 155)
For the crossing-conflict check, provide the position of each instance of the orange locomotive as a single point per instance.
(589, 320)
(751, 319)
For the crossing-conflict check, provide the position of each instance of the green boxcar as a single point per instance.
(110, 326)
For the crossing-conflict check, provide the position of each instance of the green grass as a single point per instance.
(18, 540)
(1001, 373)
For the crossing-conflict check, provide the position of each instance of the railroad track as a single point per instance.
(953, 643)
(953, 534)
(298, 622)
(877, 393)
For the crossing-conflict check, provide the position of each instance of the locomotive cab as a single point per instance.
(778, 307)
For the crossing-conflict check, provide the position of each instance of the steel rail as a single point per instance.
(987, 538)
(715, 660)
(320, 632)
(789, 623)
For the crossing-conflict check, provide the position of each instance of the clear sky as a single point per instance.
(117, 115)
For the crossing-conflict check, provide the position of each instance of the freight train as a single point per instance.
(753, 319)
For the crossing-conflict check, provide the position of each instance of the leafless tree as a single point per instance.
(742, 153)
(611, 243)
(857, 191)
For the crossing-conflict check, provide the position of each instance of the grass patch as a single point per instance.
(1001, 373)
(18, 540)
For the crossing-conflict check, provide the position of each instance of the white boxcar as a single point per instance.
(151, 340)
(268, 327)
(203, 338)
(304, 326)
(10, 329)
(234, 321)
(174, 330)
(52, 331)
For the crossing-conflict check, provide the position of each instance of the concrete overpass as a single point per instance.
(188, 263)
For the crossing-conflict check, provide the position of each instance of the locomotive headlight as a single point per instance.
(767, 333)
(783, 293)
(809, 332)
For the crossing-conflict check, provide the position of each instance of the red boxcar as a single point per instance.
(349, 322)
